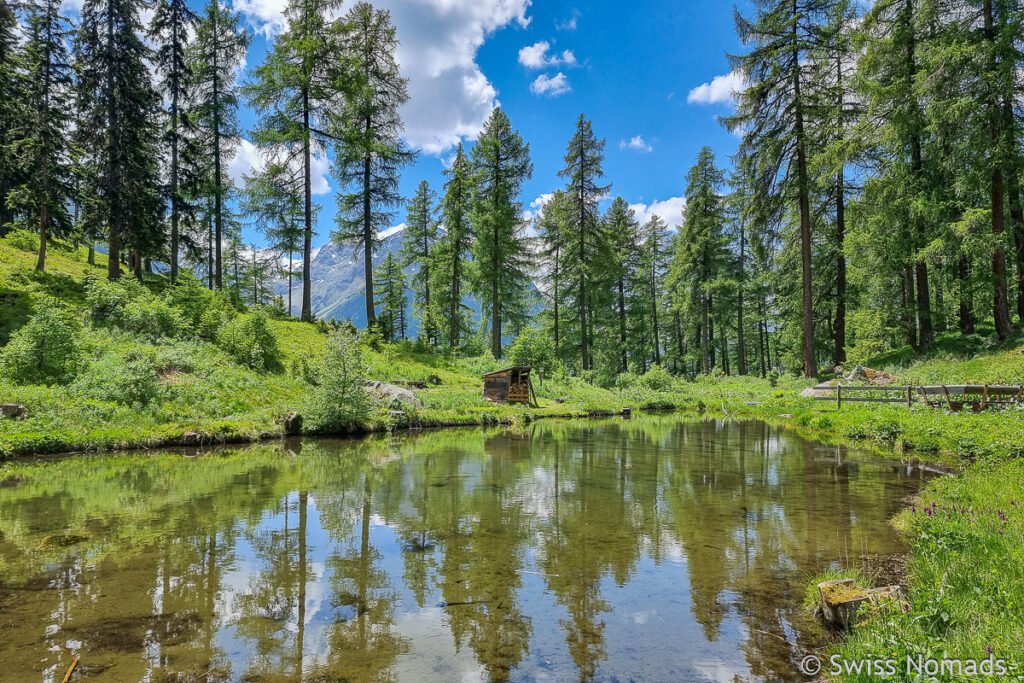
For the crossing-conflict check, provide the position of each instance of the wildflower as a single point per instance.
(988, 650)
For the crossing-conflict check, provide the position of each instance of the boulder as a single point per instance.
(13, 411)
(394, 396)
(292, 423)
(191, 439)
(856, 374)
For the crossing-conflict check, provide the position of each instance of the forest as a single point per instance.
(874, 201)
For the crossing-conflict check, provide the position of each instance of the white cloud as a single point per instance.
(249, 159)
(721, 89)
(536, 56)
(550, 85)
(570, 23)
(536, 205)
(637, 143)
(449, 96)
(670, 211)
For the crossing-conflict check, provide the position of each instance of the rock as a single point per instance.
(434, 379)
(559, 400)
(626, 412)
(292, 423)
(191, 439)
(856, 374)
(396, 414)
(13, 411)
(394, 395)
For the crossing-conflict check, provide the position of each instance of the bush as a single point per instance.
(106, 300)
(191, 299)
(24, 240)
(656, 379)
(129, 378)
(533, 347)
(250, 340)
(45, 349)
(153, 319)
(337, 401)
(220, 312)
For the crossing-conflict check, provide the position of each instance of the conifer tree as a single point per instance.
(219, 49)
(654, 262)
(118, 131)
(501, 161)
(701, 247)
(391, 300)
(772, 113)
(44, 154)
(451, 263)
(370, 151)
(274, 197)
(296, 93)
(583, 160)
(172, 23)
(418, 250)
(622, 237)
(554, 238)
(12, 99)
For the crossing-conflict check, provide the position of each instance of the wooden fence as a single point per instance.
(955, 397)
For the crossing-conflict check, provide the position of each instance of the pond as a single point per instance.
(659, 548)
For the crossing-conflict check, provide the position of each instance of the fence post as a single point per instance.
(908, 396)
(839, 397)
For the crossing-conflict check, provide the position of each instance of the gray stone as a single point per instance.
(394, 396)
(191, 439)
(292, 423)
(856, 374)
(13, 411)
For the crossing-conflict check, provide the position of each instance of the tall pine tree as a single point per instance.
(502, 260)
(451, 268)
(370, 152)
(418, 251)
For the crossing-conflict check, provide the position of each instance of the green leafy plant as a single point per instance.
(45, 350)
(251, 341)
(337, 401)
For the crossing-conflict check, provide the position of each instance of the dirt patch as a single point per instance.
(885, 570)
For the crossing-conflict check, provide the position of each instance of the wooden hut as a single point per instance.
(511, 385)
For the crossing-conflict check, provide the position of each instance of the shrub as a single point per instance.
(533, 347)
(250, 340)
(656, 379)
(190, 298)
(153, 319)
(128, 378)
(338, 401)
(219, 313)
(45, 349)
(23, 240)
(106, 300)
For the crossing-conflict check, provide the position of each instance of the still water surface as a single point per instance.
(657, 549)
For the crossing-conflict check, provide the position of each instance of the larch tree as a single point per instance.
(772, 115)
(701, 248)
(170, 30)
(550, 225)
(391, 300)
(273, 196)
(655, 238)
(583, 170)
(117, 131)
(369, 150)
(218, 51)
(622, 240)
(451, 263)
(418, 251)
(44, 153)
(502, 261)
(12, 102)
(296, 92)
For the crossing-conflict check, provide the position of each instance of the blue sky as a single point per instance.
(652, 77)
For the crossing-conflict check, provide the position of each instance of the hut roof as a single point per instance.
(521, 368)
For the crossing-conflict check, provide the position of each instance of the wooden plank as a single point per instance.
(862, 400)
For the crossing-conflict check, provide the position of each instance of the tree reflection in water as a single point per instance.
(656, 547)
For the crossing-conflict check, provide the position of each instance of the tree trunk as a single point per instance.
(307, 233)
(174, 161)
(705, 342)
(44, 235)
(495, 299)
(810, 364)
(654, 314)
(724, 345)
(966, 298)
(218, 199)
(1000, 300)
(926, 332)
(741, 351)
(92, 254)
(623, 358)
(908, 298)
(368, 245)
(113, 155)
(291, 270)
